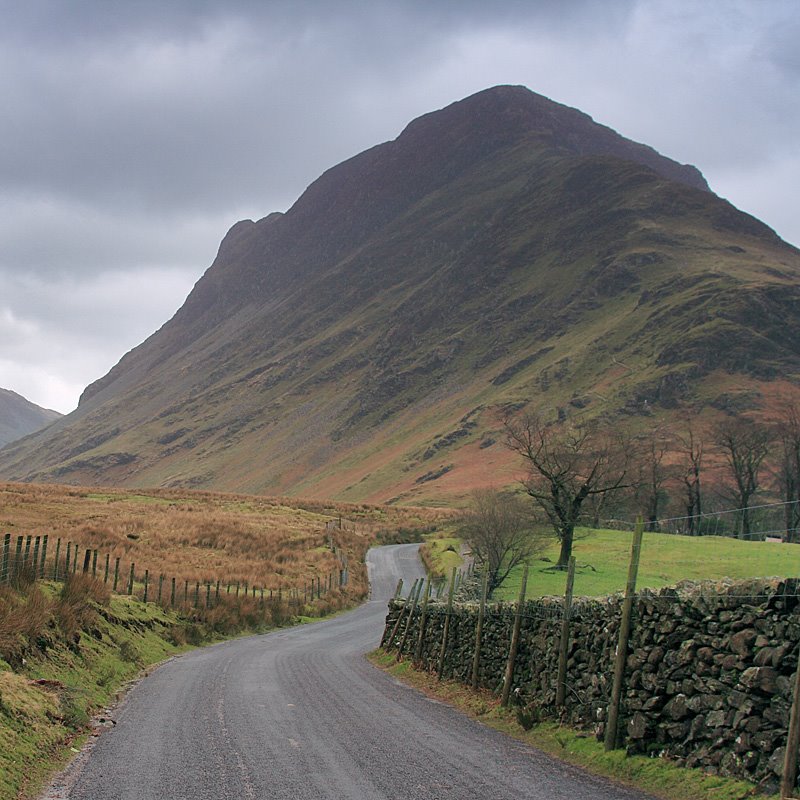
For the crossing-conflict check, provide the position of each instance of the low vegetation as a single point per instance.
(602, 563)
(65, 651)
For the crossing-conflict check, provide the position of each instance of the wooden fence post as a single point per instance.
(446, 630)
(43, 558)
(512, 650)
(612, 718)
(55, 560)
(476, 658)
(409, 620)
(5, 575)
(67, 560)
(172, 594)
(27, 555)
(75, 559)
(216, 594)
(18, 563)
(107, 566)
(146, 584)
(130, 580)
(35, 561)
(208, 595)
(116, 574)
(87, 559)
(384, 636)
(186, 592)
(160, 587)
(396, 626)
(563, 642)
(789, 776)
(422, 620)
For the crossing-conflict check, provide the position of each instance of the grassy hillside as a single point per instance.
(47, 707)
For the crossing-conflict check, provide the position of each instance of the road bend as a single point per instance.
(299, 714)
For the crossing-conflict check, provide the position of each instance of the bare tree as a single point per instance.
(653, 475)
(567, 463)
(692, 447)
(498, 527)
(745, 444)
(789, 471)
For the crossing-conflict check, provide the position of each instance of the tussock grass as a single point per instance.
(205, 536)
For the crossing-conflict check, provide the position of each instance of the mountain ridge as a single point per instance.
(19, 416)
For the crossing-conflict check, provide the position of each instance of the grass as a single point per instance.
(653, 775)
(602, 558)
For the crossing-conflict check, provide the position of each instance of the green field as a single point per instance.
(602, 563)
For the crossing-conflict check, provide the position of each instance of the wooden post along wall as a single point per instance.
(612, 718)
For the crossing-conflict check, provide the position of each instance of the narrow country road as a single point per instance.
(300, 714)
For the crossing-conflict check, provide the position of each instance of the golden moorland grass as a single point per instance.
(204, 536)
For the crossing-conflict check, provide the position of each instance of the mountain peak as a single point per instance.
(505, 115)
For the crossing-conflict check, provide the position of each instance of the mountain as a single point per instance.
(19, 417)
(503, 250)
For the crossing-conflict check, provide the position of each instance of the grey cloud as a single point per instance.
(58, 335)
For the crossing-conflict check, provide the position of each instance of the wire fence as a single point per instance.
(29, 558)
(751, 523)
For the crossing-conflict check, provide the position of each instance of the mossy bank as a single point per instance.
(67, 653)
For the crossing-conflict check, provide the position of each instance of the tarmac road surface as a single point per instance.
(299, 714)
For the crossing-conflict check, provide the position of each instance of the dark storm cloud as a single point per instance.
(133, 134)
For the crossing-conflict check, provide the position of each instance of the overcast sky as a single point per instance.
(133, 134)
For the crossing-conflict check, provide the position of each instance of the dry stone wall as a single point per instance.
(709, 675)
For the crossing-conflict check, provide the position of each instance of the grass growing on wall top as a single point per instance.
(602, 558)
(440, 554)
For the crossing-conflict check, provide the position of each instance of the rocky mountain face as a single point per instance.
(19, 417)
(505, 250)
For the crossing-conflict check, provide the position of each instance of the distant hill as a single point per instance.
(504, 250)
(19, 417)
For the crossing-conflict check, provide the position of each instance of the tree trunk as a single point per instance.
(567, 535)
(745, 523)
